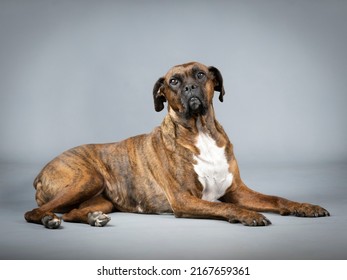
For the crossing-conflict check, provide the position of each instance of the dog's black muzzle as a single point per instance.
(194, 103)
(194, 99)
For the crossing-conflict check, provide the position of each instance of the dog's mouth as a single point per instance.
(194, 104)
(195, 107)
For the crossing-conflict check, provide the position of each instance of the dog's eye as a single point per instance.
(173, 82)
(200, 75)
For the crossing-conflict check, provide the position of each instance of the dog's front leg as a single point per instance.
(187, 206)
(243, 196)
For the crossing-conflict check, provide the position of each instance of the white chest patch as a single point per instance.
(212, 168)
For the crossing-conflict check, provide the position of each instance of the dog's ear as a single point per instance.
(158, 95)
(218, 82)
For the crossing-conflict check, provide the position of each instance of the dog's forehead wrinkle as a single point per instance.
(176, 76)
(188, 67)
(197, 69)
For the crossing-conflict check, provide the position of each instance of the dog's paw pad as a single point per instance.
(51, 222)
(98, 219)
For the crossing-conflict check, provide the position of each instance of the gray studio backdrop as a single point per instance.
(74, 72)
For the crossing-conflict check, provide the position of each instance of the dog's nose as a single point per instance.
(190, 87)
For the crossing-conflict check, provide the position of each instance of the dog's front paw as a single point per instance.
(98, 219)
(305, 210)
(251, 218)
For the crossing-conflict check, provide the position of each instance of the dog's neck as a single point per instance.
(196, 123)
(189, 129)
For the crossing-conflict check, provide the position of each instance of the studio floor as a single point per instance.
(136, 236)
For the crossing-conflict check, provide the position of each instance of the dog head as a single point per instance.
(188, 89)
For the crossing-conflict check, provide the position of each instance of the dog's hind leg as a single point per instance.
(92, 211)
(62, 195)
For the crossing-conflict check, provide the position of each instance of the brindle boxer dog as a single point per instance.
(186, 166)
